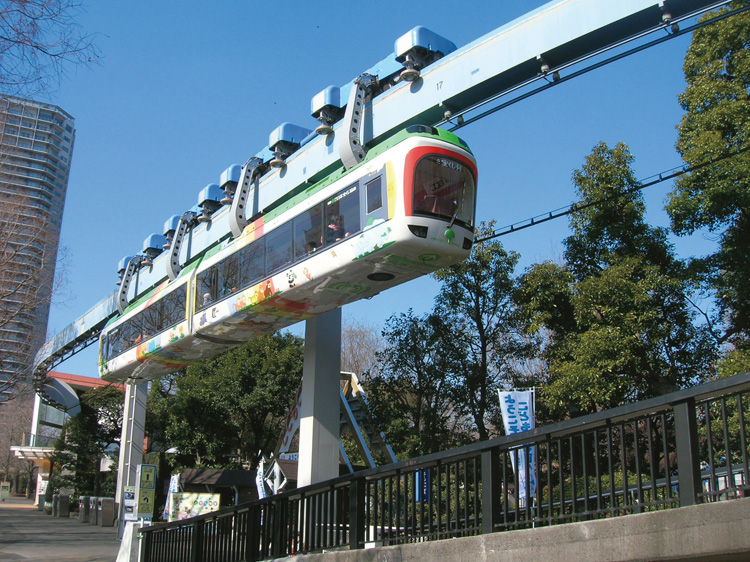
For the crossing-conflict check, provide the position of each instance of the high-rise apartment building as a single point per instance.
(36, 146)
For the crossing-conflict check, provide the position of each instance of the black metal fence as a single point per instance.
(676, 450)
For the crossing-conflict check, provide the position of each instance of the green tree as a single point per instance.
(716, 197)
(479, 332)
(224, 410)
(616, 318)
(412, 394)
(85, 439)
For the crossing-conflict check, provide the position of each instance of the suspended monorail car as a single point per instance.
(405, 211)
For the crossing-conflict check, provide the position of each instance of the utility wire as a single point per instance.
(578, 206)
(462, 121)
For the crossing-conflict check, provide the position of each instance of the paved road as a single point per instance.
(28, 535)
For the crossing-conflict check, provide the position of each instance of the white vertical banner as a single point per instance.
(518, 415)
(259, 478)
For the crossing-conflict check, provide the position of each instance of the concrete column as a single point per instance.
(319, 411)
(131, 440)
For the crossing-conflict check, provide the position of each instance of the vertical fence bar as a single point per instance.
(357, 514)
(638, 478)
(491, 489)
(743, 441)
(197, 542)
(686, 448)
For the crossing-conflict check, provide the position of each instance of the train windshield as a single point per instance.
(444, 187)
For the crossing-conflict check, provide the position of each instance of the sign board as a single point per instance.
(183, 505)
(4, 491)
(145, 494)
(147, 476)
(129, 504)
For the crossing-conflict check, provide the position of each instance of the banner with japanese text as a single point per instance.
(518, 415)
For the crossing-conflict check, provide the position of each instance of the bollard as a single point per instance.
(93, 510)
(106, 516)
(63, 508)
(83, 509)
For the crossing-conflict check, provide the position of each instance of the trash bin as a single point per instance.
(40, 505)
(55, 504)
(83, 509)
(63, 506)
(93, 510)
(106, 515)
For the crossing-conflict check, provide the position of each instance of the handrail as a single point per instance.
(638, 457)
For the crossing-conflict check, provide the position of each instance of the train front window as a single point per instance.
(444, 187)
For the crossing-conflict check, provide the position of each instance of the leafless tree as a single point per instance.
(28, 255)
(15, 422)
(38, 40)
(359, 342)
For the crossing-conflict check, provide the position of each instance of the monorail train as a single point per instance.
(405, 211)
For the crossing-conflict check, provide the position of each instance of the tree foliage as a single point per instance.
(85, 439)
(225, 409)
(617, 318)
(479, 331)
(717, 197)
(412, 395)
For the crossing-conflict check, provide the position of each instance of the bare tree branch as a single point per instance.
(38, 40)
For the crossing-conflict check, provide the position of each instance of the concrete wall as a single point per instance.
(711, 532)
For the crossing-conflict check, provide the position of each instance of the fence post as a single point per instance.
(278, 540)
(145, 541)
(197, 543)
(357, 514)
(491, 489)
(252, 535)
(686, 447)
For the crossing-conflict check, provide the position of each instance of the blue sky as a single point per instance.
(186, 88)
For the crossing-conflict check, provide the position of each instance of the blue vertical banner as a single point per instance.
(422, 486)
(518, 416)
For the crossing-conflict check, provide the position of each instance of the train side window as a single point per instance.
(173, 310)
(278, 247)
(342, 215)
(207, 287)
(374, 190)
(308, 232)
(252, 263)
(229, 276)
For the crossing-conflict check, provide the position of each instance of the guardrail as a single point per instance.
(680, 449)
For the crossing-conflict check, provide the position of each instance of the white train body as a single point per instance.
(406, 211)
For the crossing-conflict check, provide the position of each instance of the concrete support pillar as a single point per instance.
(319, 411)
(131, 441)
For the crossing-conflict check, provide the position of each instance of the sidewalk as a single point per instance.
(28, 535)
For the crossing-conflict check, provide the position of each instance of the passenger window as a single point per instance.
(308, 232)
(278, 248)
(374, 191)
(206, 287)
(229, 276)
(252, 263)
(342, 215)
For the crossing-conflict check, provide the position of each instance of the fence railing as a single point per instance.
(680, 449)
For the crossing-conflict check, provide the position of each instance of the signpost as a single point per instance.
(146, 492)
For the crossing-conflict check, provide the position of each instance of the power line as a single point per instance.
(578, 206)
